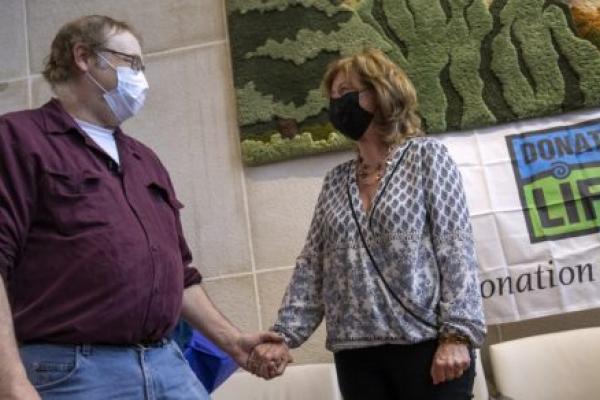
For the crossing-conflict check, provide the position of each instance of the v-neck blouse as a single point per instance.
(419, 235)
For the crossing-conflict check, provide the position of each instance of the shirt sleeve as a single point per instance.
(191, 276)
(18, 194)
(302, 307)
(461, 310)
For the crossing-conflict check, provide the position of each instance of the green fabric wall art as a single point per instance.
(474, 63)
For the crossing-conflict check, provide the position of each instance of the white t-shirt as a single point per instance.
(103, 137)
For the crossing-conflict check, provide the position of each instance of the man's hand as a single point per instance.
(269, 360)
(449, 362)
(246, 342)
(13, 378)
(201, 313)
(20, 389)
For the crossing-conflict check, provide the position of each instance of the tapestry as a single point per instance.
(474, 63)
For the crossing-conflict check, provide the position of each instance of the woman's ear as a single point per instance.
(368, 101)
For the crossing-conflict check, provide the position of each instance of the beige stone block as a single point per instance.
(162, 24)
(13, 96)
(13, 50)
(271, 287)
(235, 298)
(189, 121)
(281, 201)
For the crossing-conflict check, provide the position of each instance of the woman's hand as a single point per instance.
(449, 362)
(268, 360)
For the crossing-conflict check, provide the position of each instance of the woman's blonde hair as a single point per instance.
(396, 96)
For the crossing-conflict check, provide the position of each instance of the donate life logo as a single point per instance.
(558, 175)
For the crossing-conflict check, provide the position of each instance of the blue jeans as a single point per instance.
(90, 372)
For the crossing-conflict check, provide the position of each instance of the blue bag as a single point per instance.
(211, 365)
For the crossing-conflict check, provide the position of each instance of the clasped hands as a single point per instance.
(269, 360)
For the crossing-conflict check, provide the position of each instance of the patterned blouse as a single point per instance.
(419, 238)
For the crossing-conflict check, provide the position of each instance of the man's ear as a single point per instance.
(82, 57)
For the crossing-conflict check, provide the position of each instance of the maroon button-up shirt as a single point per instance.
(91, 252)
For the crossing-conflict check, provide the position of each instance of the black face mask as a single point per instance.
(347, 116)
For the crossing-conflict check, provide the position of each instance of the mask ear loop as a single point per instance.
(106, 61)
(91, 77)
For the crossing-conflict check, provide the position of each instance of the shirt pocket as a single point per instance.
(76, 201)
(72, 184)
(164, 196)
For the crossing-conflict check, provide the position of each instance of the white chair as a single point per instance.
(302, 382)
(556, 366)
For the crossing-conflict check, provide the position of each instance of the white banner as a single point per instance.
(533, 189)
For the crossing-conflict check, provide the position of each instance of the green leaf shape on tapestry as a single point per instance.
(582, 55)
(526, 62)
(286, 81)
(438, 44)
(374, 17)
(245, 6)
(257, 152)
(351, 37)
(254, 107)
(467, 27)
(421, 25)
(492, 86)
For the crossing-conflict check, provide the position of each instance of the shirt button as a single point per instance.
(153, 249)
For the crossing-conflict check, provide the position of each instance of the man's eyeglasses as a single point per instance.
(134, 60)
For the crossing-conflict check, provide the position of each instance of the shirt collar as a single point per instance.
(59, 121)
(56, 119)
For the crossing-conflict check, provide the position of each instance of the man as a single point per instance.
(92, 256)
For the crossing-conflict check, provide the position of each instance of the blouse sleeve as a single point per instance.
(461, 310)
(302, 307)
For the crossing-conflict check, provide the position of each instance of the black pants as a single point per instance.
(398, 372)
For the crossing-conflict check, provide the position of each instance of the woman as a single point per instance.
(389, 260)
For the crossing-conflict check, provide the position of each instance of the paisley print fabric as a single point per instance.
(419, 235)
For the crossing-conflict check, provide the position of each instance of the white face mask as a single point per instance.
(128, 97)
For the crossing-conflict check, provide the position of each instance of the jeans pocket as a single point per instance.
(48, 366)
(177, 350)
